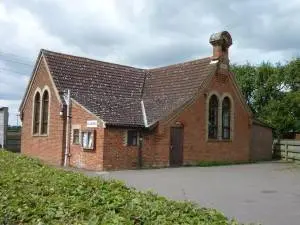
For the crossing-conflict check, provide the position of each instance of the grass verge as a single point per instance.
(33, 193)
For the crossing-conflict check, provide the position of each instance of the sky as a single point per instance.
(141, 33)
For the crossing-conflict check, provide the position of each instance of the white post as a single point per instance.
(67, 147)
(286, 152)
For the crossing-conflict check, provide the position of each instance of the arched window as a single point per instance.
(36, 113)
(226, 109)
(213, 117)
(45, 106)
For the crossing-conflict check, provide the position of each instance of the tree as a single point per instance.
(245, 75)
(272, 92)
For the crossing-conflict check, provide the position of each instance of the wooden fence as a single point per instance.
(13, 141)
(287, 149)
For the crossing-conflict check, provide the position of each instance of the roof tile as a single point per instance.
(114, 92)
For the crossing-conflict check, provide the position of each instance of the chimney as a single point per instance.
(221, 42)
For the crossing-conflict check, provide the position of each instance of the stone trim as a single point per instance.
(46, 88)
(37, 90)
(220, 98)
(207, 114)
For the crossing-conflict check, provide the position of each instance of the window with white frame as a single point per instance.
(87, 139)
(76, 136)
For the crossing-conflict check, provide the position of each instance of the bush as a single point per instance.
(33, 193)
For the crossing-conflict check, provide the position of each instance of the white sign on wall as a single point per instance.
(91, 123)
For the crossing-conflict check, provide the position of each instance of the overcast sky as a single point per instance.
(142, 33)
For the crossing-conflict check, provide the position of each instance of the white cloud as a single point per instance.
(141, 33)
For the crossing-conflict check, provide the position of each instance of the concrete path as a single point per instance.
(268, 193)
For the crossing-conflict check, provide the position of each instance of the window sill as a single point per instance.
(219, 140)
(213, 140)
(226, 140)
(40, 135)
(88, 149)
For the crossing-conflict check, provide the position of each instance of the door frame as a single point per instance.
(182, 147)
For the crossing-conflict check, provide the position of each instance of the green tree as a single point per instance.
(245, 75)
(292, 75)
(272, 92)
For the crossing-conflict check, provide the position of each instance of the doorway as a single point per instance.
(176, 146)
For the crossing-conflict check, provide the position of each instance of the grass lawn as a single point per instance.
(33, 193)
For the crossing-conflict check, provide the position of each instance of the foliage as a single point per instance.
(272, 92)
(32, 193)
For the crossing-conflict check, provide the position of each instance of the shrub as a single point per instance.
(33, 193)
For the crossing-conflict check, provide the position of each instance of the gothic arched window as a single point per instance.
(226, 110)
(213, 117)
(45, 111)
(36, 113)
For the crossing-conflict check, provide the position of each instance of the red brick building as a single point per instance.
(96, 115)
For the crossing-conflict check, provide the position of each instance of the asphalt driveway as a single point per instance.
(268, 193)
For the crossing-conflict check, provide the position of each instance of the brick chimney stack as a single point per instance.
(221, 42)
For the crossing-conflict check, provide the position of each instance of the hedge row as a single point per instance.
(33, 193)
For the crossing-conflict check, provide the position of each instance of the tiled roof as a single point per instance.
(114, 92)
(167, 88)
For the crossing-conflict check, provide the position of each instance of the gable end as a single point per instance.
(40, 59)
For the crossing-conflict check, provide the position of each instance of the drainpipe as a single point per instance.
(140, 149)
(67, 147)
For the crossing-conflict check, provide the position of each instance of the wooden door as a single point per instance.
(176, 146)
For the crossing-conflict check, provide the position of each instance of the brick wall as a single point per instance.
(261, 143)
(116, 154)
(196, 146)
(47, 148)
(110, 152)
(155, 151)
(88, 159)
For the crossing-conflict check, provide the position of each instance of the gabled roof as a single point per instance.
(168, 88)
(122, 95)
(110, 91)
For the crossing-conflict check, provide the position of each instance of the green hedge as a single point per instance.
(33, 193)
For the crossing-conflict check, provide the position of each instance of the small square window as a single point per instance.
(88, 140)
(132, 138)
(76, 139)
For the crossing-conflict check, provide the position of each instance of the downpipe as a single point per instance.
(68, 124)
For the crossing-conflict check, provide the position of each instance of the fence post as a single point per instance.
(286, 152)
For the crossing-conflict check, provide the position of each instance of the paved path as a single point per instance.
(268, 193)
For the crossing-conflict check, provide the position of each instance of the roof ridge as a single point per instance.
(180, 63)
(87, 58)
(117, 64)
